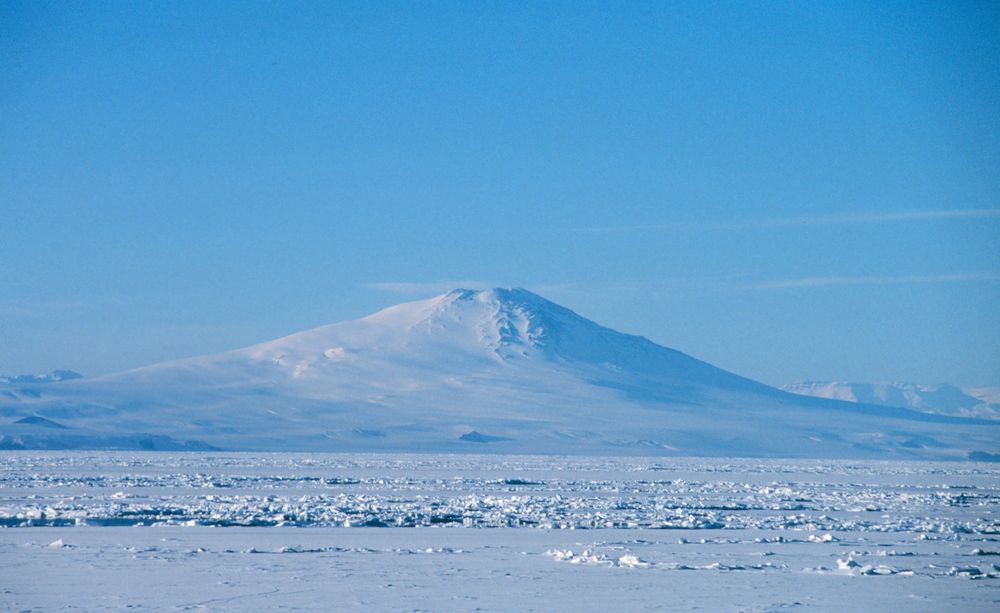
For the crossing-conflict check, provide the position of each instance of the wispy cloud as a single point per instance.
(47, 307)
(875, 280)
(440, 287)
(880, 217)
(801, 221)
(725, 282)
(430, 287)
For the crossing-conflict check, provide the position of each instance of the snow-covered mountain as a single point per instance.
(942, 399)
(497, 370)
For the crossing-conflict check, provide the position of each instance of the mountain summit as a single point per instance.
(474, 333)
(500, 370)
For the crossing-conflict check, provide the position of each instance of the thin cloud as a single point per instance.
(48, 307)
(806, 220)
(431, 287)
(883, 217)
(440, 287)
(875, 280)
(659, 227)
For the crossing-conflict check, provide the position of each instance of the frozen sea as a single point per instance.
(239, 531)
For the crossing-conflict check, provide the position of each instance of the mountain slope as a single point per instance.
(497, 370)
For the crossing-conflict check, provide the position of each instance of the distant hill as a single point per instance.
(942, 399)
(52, 377)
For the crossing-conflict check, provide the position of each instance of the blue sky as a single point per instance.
(788, 190)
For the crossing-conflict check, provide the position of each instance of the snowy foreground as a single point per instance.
(460, 532)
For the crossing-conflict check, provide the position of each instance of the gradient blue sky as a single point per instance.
(791, 191)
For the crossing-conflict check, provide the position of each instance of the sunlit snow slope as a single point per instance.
(500, 370)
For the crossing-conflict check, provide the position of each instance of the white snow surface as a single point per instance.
(500, 370)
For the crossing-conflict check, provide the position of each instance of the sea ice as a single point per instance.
(461, 532)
